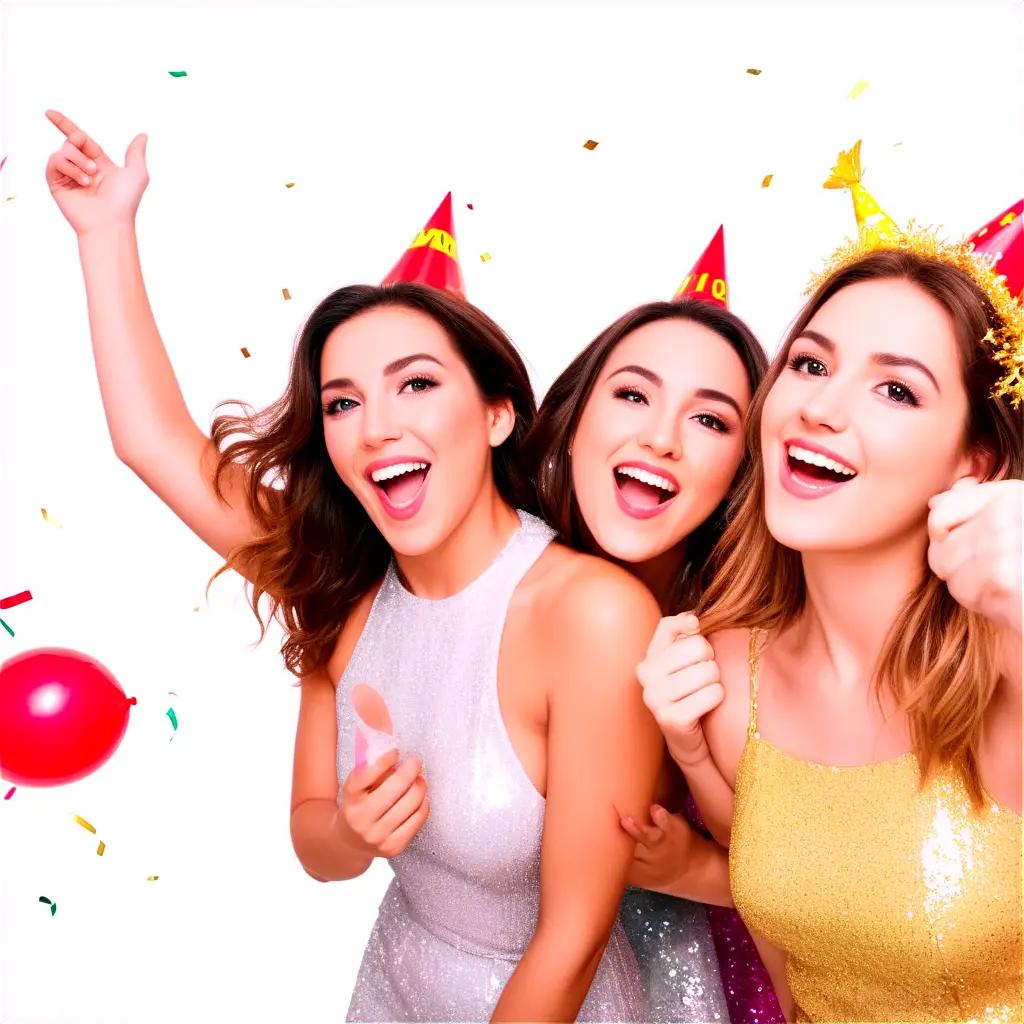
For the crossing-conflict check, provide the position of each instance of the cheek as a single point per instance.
(714, 462)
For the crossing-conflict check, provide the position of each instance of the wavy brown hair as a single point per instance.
(546, 451)
(318, 551)
(939, 661)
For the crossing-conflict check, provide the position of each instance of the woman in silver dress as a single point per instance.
(397, 553)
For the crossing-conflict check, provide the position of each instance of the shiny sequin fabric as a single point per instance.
(749, 994)
(892, 903)
(673, 947)
(463, 905)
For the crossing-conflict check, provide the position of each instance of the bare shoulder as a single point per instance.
(725, 727)
(574, 591)
(349, 635)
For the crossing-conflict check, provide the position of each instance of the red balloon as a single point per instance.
(62, 714)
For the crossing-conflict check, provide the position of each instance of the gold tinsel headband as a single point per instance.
(1004, 342)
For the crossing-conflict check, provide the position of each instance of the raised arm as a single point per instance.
(603, 757)
(149, 423)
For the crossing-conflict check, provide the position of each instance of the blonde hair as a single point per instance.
(939, 660)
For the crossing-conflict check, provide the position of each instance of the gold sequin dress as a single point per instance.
(892, 903)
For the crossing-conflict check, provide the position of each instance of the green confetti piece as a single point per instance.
(178, 74)
(173, 717)
(8, 628)
(53, 906)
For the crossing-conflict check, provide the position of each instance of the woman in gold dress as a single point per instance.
(861, 690)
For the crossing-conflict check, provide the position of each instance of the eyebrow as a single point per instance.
(880, 358)
(392, 368)
(709, 393)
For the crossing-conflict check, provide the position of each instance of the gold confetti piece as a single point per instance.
(196, 608)
(1008, 219)
(289, 184)
(857, 90)
(484, 257)
(590, 144)
(895, 144)
(101, 848)
(287, 294)
(753, 71)
(767, 180)
(10, 199)
(245, 352)
(85, 824)
(51, 519)
(152, 878)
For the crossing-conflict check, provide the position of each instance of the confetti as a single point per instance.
(51, 519)
(287, 294)
(767, 180)
(178, 74)
(2, 162)
(289, 184)
(85, 824)
(753, 71)
(100, 848)
(857, 90)
(590, 144)
(10, 199)
(484, 257)
(8, 628)
(16, 599)
(53, 906)
(469, 206)
(10, 792)
(245, 352)
(152, 878)
(173, 717)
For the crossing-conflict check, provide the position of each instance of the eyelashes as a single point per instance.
(331, 408)
(905, 394)
(716, 423)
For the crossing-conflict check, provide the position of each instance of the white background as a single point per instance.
(374, 110)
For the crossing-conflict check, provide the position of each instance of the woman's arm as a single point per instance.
(671, 857)
(603, 758)
(150, 426)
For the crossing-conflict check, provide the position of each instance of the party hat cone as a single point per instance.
(707, 279)
(432, 257)
(1003, 238)
(871, 218)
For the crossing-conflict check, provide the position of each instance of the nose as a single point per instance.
(826, 405)
(379, 424)
(661, 435)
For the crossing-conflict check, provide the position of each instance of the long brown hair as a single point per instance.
(318, 551)
(546, 451)
(939, 661)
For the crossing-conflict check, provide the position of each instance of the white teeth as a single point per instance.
(390, 472)
(817, 459)
(647, 478)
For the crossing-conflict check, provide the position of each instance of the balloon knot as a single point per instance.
(132, 700)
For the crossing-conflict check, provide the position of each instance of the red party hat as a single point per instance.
(707, 279)
(1003, 238)
(432, 257)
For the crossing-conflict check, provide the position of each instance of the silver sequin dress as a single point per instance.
(463, 905)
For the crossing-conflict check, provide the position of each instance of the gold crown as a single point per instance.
(1003, 341)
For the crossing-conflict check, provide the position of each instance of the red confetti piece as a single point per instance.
(245, 352)
(16, 599)
(10, 792)
(469, 206)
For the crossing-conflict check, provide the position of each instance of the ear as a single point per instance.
(501, 418)
(977, 462)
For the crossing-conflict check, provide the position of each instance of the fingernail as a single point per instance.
(92, 165)
(629, 821)
(85, 179)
